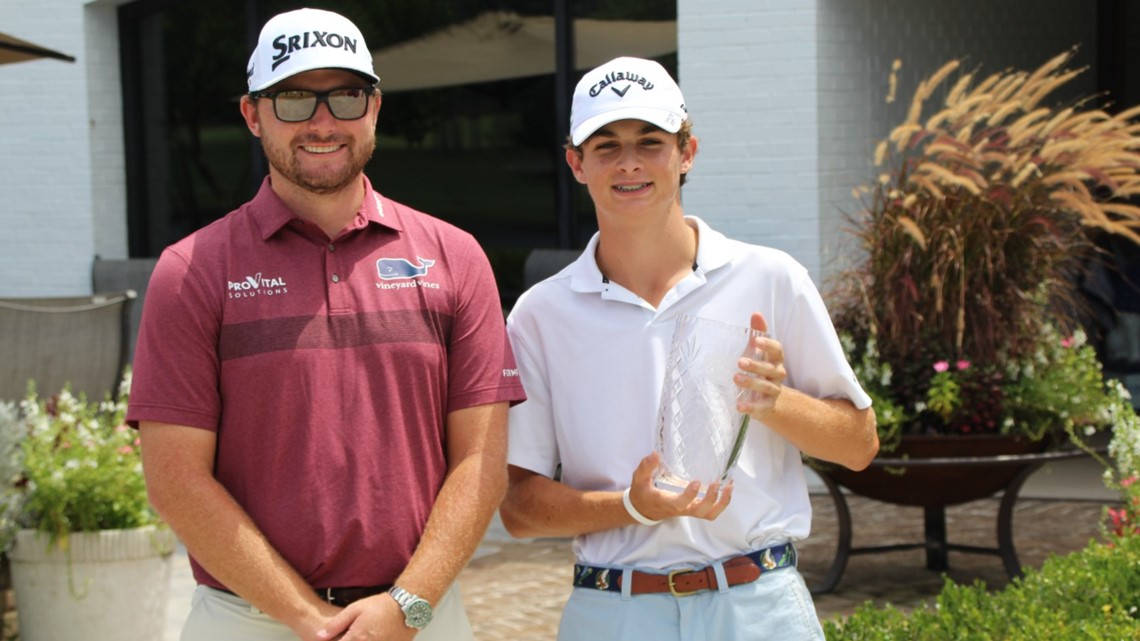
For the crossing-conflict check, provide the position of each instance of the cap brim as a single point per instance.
(663, 118)
(372, 77)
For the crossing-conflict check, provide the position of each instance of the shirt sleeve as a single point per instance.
(481, 366)
(813, 355)
(532, 443)
(175, 369)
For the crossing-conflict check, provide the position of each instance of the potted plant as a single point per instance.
(961, 315)
(89, 558)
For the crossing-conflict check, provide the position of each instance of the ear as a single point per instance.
(688, 154)
(376, 111)
(574, 159)
(250, 115)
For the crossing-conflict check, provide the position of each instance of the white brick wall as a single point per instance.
(859, 39)
(747, 69)
(787, 97)
(60, 174)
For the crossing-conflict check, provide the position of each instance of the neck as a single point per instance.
(332, 212)
(648, 260)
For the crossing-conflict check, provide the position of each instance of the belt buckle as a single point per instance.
(673, 588)
(328, 595)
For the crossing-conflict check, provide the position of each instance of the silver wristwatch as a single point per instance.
(417, 611)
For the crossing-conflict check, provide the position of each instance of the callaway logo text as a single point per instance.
(286, 45)
(256, 285)
(610, 78)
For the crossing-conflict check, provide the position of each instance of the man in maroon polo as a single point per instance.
(322, 376)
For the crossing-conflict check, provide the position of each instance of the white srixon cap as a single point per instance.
(625, 88)
(303, 40)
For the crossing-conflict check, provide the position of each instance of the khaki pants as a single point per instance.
(220, 616)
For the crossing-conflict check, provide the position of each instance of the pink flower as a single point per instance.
(122, 427)
(137, 442)
(1067, 342)
(963, 365)
(1128, 481)
(941, 366)
(126, 449)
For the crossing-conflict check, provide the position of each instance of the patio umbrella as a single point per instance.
(16, 50)
(499, 45)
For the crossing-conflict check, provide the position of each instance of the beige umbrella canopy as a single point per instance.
(501, 45)
(16, 50)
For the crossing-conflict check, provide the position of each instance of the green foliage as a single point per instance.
(973, 236)
(76, 466)
(1093, 595)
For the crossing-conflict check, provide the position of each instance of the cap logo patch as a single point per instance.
(610, 78)
(287, 44)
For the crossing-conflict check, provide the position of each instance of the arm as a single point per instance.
(828, 429)
(178, 464)
(538, 506)
(476, 480)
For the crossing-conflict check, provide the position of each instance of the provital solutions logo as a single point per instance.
(256, 285)
(610, 78)
(286, 45)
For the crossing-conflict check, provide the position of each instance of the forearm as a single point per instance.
(454, 529)
(538, 506)
(221, 537)
(828, 429)
(473, 489)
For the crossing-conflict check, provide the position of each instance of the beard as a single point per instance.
(320, 180)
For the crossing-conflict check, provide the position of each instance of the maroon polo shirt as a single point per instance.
(327, 370)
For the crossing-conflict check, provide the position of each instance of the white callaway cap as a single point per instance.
(625, 88)
(303, 40)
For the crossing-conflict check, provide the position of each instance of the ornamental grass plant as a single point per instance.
(962, 314)
(70, 465)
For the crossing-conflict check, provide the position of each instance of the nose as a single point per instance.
(628, 159)
(322, 119)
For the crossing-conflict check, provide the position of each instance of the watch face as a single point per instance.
(418, 614)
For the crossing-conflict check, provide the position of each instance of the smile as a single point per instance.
(631, 188)
(320, 149)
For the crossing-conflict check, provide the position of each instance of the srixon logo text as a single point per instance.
(286, 45)
(256, 285)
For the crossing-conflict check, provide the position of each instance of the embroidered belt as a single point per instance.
(737, 570)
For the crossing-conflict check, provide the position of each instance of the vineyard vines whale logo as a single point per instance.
(402, 268)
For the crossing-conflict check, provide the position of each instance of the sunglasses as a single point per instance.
(298, 105)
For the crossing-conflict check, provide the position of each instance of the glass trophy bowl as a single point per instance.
(699, 430)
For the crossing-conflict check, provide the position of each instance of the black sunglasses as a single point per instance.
(298, 105)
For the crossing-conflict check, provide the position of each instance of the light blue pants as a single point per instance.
(775, 607)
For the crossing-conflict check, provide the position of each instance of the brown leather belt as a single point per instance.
(737, 570)
(341, 596)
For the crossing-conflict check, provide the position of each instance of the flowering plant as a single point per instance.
(70, 465)
(958, 317)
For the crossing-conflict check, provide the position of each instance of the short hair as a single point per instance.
(683, 136)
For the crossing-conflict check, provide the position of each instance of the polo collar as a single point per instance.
(270, 213)
(714, 251)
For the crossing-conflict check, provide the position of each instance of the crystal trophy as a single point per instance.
(699, 430)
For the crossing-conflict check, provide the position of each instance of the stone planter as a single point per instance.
(111, 584)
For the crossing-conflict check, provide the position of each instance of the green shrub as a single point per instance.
(1092, 595)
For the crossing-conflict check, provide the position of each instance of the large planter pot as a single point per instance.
(96, 586)
(943, 484)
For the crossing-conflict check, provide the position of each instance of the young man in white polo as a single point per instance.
(591, 344)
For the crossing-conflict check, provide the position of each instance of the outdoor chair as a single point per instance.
(55, 341)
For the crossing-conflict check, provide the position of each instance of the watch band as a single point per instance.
(417, 611)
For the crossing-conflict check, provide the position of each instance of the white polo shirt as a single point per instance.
(592, 359)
